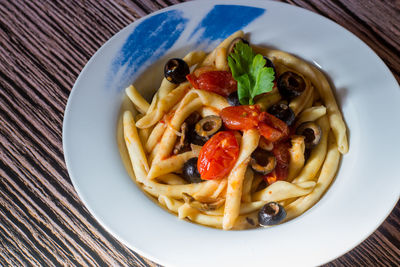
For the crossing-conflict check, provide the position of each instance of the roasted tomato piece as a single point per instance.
(272, 128)
(281, 153)
(250, 117)
(270, 133)
(240, 117)
(219, 82)
(218, 156)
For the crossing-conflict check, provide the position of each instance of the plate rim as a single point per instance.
(115, 36)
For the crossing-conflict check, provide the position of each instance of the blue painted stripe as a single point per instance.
(154, 36)
(223, 20)
(147, 42)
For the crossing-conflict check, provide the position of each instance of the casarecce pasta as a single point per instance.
(230, 149)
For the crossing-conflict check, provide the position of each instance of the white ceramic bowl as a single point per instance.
(364, 192)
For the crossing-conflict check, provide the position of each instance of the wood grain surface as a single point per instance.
(43, 47)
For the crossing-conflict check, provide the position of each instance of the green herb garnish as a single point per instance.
(250, 72)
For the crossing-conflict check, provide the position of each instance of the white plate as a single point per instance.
(363, 194)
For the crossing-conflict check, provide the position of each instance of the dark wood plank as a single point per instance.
(377, 24)
(43, 219)
(43, 47)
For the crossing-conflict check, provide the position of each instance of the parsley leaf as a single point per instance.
(249, 70)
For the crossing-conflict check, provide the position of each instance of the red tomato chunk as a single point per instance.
(251, 117)
(276, 123)
(218, 156)
(240, 117)
(219, 82)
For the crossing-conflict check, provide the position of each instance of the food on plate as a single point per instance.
(271, 213)
(241, 137)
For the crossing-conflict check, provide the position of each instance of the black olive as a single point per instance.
(175, 70)
(233, 99)
(270, 64)
(190, 171)
(312, 133)
(198, 136)
(208, 126)
(283, 112)
(234, 42)
(262, 161)
(193, 118)
(194, 138)
(290, 85)
(270, 214)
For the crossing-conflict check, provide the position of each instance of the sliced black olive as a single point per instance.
(204, 130)
(312, 133)
(270, 214)
(175, 70)
(290, 85)
(233, 99)
(208, 126)
(270, 64)
(192, 137)
(190, 171)
(196, 139)
(283, 112)
(234, 42)
(262, 161)
(193, 118)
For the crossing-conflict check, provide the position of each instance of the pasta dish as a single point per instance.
(241, 137)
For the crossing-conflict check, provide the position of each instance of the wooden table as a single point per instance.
(43, 47)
